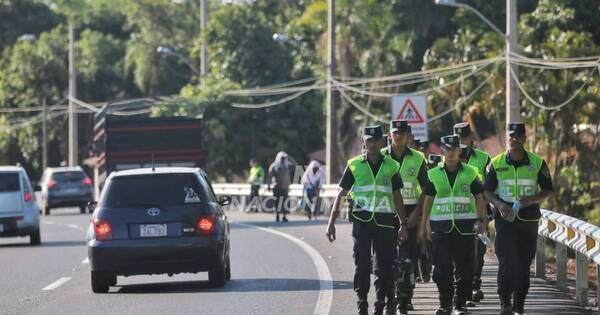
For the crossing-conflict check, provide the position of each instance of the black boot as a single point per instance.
(506, 306)
(477, 295)
(277, 218)
(442, 311)
(378, 308)
(519, 305)
(363, 307)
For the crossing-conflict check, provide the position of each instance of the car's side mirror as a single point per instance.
(91, 206)
(225, 200)
(37, 188)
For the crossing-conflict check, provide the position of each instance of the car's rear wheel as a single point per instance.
(35, 238)
(218, 275)
(46, 210)
(101, 281)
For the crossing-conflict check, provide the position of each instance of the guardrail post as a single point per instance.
(561, 266)
(598, 286)
(540, 258)
(581, 285)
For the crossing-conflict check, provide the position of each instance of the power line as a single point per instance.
(561, 105)
(272, 103)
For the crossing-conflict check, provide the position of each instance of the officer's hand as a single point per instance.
(504, 210)
(330, 233)
(480, 227)
(413, 219)
(402, 233)
(268, 187)
(422, 234)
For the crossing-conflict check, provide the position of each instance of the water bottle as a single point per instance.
(484, 238)
(514, 211)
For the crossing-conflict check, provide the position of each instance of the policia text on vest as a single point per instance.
(378, 202)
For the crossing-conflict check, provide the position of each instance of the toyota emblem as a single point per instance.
(153, 212)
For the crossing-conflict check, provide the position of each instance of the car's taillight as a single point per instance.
(86, 181)
(27, 196)
(51, 184)
(206, 225)
(102, 230)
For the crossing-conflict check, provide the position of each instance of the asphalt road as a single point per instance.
(277, 268)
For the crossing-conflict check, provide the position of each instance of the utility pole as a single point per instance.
(45, 135)
(73, 136)
(203, 50)
(513, 105)
(331, 145)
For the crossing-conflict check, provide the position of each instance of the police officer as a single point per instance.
(413, 171)
(516, 179)
(455, 208)
(478, 159)
(375, 185)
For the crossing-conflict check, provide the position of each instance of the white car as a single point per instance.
(19, 212)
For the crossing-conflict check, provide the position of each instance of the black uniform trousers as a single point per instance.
(453, 260)
(367, 237)
(407, 249)
(479, 254)
(515, 248)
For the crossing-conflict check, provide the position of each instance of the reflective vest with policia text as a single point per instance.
(516, 183)
(478, 160)
(453, 207)
(372, 194)
(409, 172)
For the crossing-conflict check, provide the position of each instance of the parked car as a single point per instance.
(66, 187)
(158, 221)
(19, 212)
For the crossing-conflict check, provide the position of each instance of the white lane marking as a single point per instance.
(73, 226)
(56, 283)
(86, 260)
(48, 222)
(325, 297)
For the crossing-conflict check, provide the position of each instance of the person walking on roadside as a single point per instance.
(374, 183)
(256, 179)
(311, 181)
(280, 175)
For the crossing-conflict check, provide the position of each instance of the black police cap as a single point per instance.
(450, 142)
(462, 129)
(434, 159)
(374, 132)
(399, 126)
(515, 128)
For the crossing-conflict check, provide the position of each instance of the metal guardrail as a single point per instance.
(578, 235)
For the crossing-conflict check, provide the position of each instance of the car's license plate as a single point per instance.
(1, 228)
(70, 191)
(153, 230)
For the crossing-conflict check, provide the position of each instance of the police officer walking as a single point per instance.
(413, 172)
(478, 159)
(516, 182)
(374, 185)
(455, 208)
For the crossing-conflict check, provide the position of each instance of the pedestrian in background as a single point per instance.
(256, 179)
(280, 175)
(312, 180)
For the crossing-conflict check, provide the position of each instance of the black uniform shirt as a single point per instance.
(348, 178)
(476, 187)
(543, 178)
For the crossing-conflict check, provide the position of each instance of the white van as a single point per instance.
(19, 212)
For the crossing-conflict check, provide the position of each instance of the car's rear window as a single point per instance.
(162, 190)
(68, 176)
(9, 182)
